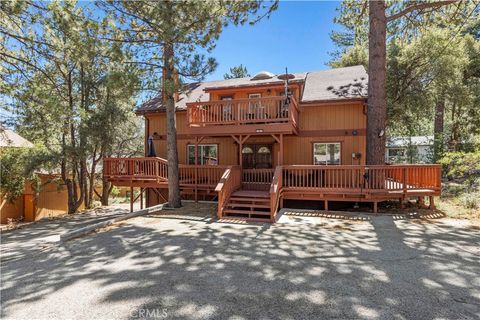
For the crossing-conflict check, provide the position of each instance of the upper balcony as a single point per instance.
(268, 115)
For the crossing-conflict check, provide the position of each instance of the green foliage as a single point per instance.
(432, 55)
(462, 165)
(237, 72)
(70, 90)
(115, 191)
(191, 27)
(16, 167)
(353, 56)
(471, 200)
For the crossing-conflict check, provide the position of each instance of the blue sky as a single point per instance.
(296, 36)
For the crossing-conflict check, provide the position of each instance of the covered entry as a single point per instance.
(257, 156)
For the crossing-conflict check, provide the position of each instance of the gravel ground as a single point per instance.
(187, 265)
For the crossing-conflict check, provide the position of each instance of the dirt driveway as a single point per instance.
(193, 267)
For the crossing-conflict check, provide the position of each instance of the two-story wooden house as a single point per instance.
(252, 143)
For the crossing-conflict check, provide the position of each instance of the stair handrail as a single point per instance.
(276, 192)
(230, 182)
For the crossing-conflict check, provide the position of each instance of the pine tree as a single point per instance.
(168, 36)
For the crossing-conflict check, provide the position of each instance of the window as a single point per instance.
(247, 150)
(397, 155)
(326, 153)
(207, 154)
(263, 150)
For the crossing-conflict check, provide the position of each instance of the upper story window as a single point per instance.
(207, 154)
(326, 153)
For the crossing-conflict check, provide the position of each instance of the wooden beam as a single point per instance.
(235, 138)
(275, 137)
(131, 199)
(280, 160)
(196, 169)
(240, 147)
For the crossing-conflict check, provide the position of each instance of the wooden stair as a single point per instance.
(249, 205)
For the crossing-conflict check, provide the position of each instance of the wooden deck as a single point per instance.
(258, 194)
(270, 115)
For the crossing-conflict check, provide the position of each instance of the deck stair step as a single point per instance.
(252, 205)
(249, 212)
(249, 200)
(248, 205)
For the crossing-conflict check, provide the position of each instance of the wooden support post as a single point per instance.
(432, 203)
(141, 198)
(326, 205)
(240, 147)
(402, 204)
(131, 199)
(420, 201)
(196, 169)
(280, 160)
(375, 207)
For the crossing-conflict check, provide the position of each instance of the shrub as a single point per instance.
(12, 172)
(465, 165)
(470, 200)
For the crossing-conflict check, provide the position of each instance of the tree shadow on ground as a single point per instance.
(380, 268)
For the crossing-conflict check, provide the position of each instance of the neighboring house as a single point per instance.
(252, 146)
(10, 139)
(409, 149)
(49, 201)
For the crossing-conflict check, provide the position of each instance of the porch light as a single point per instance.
(259, 130)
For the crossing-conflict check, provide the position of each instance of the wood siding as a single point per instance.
(337, 122)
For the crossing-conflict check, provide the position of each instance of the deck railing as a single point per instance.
(230, 181)
(257, 179)
(154, 168)
(130, 168)
(243, 111)
(201, 176)
(355, 178)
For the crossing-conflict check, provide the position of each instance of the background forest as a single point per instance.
(72, 75)
(433, 83)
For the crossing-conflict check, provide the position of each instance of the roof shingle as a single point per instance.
(334, 84)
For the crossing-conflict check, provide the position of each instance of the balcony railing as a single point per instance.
(269, 110)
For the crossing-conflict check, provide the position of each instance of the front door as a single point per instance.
(257, 156)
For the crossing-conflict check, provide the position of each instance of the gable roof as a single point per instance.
(327, 85)
(9, 138)
(336, 84)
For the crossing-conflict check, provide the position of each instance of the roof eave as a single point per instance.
(330, 101)
(253, 85)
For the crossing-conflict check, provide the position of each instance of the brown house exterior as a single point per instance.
(267, 145)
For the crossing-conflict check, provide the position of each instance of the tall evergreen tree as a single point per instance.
(402, 20)
(168, 36)
(237, 72)
(65, 85)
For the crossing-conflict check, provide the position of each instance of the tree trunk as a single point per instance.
(174, 199)
(438, 128)
(377, 72)
(106, 188)
(453, 144)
